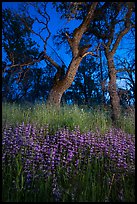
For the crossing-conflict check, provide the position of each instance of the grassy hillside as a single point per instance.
(72, 155)
(68, 116)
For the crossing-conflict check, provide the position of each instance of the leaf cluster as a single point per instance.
(16, 38)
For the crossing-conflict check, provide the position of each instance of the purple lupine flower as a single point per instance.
(41, 152)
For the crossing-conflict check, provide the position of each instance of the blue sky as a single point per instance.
(55, 24)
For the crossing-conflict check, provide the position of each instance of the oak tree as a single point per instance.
(111, 24)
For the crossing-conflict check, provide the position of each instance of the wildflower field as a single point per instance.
(74, 155)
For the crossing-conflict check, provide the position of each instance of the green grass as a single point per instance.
(127, 121)
(70, 116)
(95, 184)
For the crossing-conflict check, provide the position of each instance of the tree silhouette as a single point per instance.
(19, 47)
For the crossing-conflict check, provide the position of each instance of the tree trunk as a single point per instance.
(102, 82)
(114, 98)
(61, 86)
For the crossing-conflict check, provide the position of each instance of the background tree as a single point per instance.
(85, 90)
(126, 71)
(20, 48)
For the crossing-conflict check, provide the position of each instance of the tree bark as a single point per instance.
(102, 81)
(114, 98)
(61, 86)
